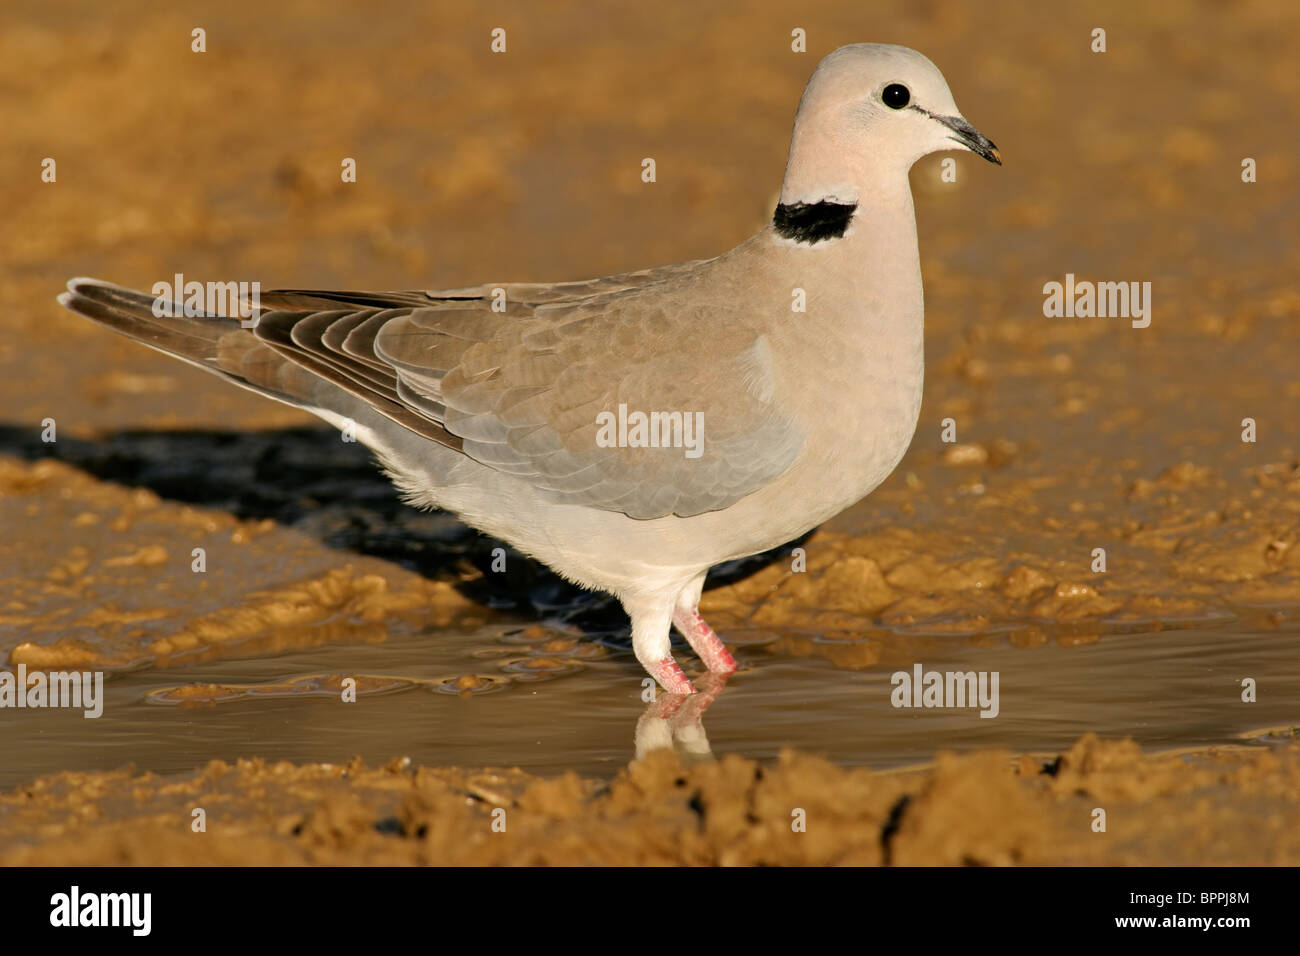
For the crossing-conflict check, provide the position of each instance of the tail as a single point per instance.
(284, 357)
(214, 343)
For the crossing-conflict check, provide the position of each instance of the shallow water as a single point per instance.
(1176, 688)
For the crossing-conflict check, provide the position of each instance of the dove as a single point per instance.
(497, 402)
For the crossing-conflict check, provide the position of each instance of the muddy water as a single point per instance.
(1166, 690)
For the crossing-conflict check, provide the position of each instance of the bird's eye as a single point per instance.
(895, 96)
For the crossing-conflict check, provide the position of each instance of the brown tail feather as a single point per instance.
(278, 359)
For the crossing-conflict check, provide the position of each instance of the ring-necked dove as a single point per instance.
(633, 431)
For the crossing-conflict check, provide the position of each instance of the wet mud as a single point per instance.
(987, 809)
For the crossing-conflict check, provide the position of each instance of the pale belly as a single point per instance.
(846, 457)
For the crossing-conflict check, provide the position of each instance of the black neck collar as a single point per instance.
(813, 222)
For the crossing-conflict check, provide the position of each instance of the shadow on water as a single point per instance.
(309, 480)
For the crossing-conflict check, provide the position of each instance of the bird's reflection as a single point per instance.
(676, 721)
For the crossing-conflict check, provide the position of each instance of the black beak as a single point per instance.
(966, 135)
(971, 138)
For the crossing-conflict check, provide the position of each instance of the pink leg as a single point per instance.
(670, 677)
(704, 641)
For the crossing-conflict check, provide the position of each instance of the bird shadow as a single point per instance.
(307, 479)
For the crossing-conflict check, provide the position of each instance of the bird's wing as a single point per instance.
(529, 382)
(543, 396)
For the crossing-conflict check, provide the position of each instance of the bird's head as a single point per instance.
(869, 112)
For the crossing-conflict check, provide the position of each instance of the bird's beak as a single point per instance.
(971, 138)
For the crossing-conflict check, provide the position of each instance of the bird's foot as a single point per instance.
(671, 677)
(705, 642)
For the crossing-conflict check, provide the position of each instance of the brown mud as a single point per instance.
(986, 810)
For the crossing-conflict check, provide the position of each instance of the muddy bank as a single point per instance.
(1230, 806)
(103, 577)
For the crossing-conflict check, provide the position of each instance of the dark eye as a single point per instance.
(895, 96)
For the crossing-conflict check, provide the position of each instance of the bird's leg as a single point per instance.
(651, 645)
(670, 676)
(701, 637)
(704, 641)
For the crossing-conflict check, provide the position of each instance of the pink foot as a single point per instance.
(670, 677)
(705, 642)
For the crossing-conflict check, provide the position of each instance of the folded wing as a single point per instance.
(525, 379)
